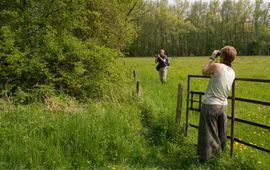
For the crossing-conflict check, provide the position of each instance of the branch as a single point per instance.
(131, 9)
(50, 13)
(54, 11)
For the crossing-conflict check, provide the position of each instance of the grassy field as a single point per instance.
(164, 96)
(127, 132)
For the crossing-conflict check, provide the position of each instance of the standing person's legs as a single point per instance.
(222, 127)
(208, 137)
(160, 74)
(163, 74)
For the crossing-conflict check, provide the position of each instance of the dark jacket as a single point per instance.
(162, 63)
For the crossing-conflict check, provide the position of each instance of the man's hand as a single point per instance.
(210, 67)
(214, 54)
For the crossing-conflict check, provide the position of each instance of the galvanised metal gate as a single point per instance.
(189, 106)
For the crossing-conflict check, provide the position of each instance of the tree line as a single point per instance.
(186, 28)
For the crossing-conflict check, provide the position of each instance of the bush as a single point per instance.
(64, 65)
(53, 47)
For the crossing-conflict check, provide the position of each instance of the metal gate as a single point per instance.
(190, 106)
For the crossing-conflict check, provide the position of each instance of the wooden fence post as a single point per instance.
(179, 104)
(138, 88)
(134, 73)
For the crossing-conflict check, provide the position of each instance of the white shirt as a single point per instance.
(219, 86)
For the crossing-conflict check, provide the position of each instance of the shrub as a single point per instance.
(65, 64)
(53, 47)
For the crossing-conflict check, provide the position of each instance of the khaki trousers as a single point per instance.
(163, 74)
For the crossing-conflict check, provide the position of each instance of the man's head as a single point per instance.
(228, 54)
(162, 52)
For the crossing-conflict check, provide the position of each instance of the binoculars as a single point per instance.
(218, 54)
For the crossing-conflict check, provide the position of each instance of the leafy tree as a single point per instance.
(62, 46)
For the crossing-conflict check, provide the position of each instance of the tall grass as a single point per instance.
(34, 138)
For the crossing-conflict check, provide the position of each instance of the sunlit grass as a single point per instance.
(164, 96)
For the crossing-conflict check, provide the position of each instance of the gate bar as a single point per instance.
(187, 107)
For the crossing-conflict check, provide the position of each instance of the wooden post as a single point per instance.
(179, 104)
(134, 73)
(138, 88)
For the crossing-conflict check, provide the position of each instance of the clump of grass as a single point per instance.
(63, 103)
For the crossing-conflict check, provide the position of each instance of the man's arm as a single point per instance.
(210, 67)
(161, 59)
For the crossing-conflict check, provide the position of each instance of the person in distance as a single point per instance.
(162, 64)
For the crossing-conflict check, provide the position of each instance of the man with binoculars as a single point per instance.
(213, 115)
(163, 61)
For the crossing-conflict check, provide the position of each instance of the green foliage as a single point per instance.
(62, 46)
(114, 21)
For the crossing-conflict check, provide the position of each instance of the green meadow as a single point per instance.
(129, 132)
(164, 96)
